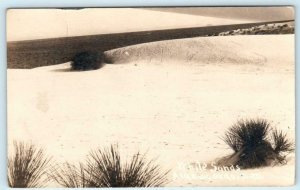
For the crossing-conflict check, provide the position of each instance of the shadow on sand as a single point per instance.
(62, 70)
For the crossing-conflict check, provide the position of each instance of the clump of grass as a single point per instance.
(249, 139)
(281, 143)
(87, 60)
(108, 171)
(247, 134)
(27, 166)
(104, 168)
(71, 176)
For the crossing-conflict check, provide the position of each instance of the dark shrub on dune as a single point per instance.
(108, 171)
(280, 142)
(252, 147)
(27, 166)
(249, 133)
(87, 60)
(104, 169)
(71, 176)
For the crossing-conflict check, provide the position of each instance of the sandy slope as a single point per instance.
(246, 50)
(174, 110)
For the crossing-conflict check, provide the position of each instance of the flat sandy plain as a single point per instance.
(172, 99)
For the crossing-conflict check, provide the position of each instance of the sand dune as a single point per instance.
(248, 13)
(174, 110)
(24, 24)
(251, 50)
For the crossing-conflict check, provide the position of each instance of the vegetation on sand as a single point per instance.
(27, 166)
(252, 145)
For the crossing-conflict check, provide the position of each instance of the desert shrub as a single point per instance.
(103, 168)
(249, 139)
(247, 134)
(108, 171)
(71, 176)
(281, 144)
(87, 61)
(27, 166)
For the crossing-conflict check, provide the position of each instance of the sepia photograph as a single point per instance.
(150, 97)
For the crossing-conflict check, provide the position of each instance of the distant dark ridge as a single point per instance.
(36, 53)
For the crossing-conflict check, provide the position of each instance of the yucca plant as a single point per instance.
(139, 173)
(249, 139)
(247, 134)
(71, 176)
(108, 170)
(281, 145)
(27, 166)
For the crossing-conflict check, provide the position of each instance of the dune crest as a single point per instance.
(214, 50)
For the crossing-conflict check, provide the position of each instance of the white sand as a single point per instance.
(29, 24)
(174, 110)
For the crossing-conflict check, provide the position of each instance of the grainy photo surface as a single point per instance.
(151, 97)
